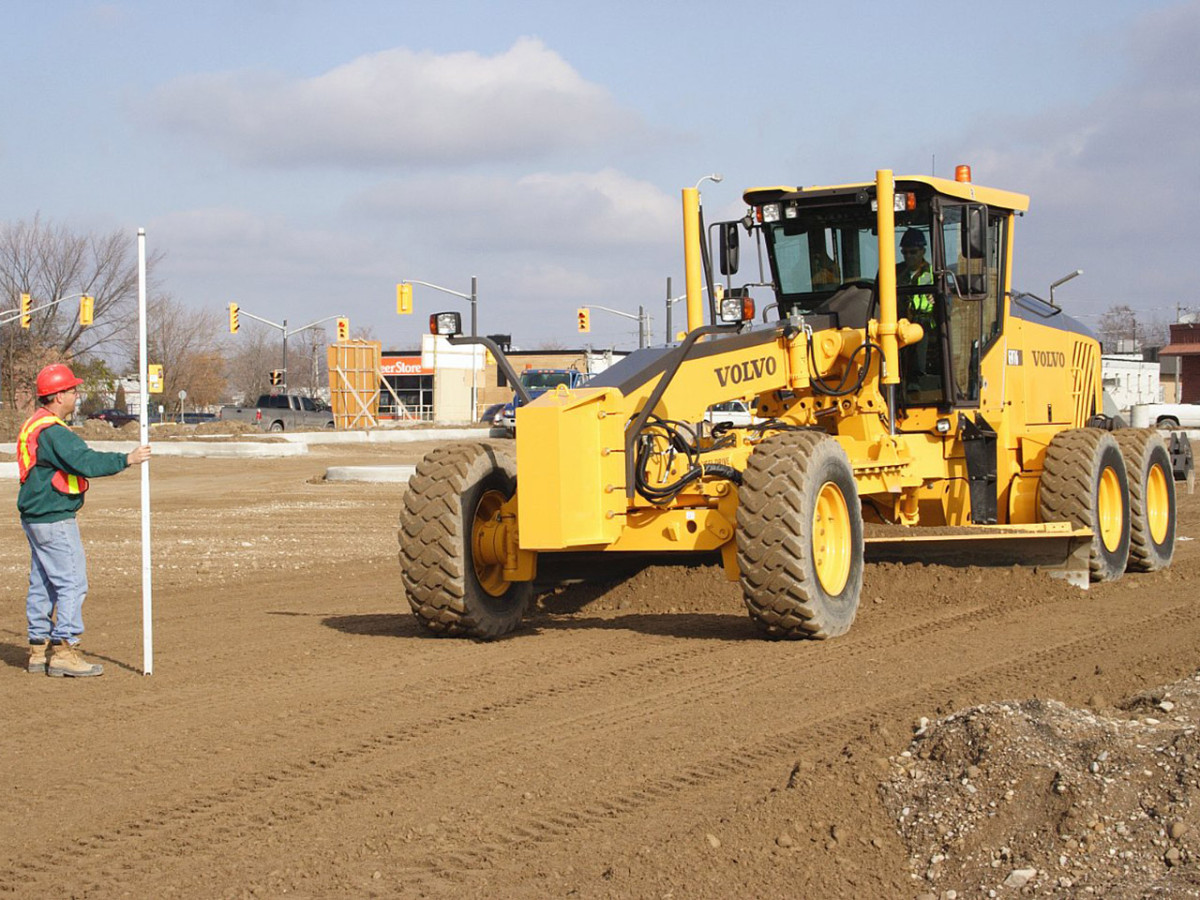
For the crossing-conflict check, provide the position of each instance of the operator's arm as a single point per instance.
(63, 449)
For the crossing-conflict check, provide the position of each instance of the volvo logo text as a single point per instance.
(1048, 358)
(747, 371)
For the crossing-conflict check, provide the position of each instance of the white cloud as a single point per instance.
(233, 250)
(399, 108)
(1112, 183)
(572, 212)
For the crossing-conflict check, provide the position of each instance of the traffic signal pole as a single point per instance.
(641, 318)
(86, 309)
(282, 326)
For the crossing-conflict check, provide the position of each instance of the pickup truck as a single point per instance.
(536, 382)
(1165, 415)
(280, 412)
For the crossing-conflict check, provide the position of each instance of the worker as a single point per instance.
(824, 269)
(54, 465)
(915, 270)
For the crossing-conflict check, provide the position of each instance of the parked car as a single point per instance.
(114, 417)
(736, 412)
(195, 418)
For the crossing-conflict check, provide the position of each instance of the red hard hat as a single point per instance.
(55, 378)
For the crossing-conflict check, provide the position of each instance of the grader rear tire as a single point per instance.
(1151, 499)
(456, 492)
(1084, 482)
(800, 537)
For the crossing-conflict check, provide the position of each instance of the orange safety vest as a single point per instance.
(27, 442)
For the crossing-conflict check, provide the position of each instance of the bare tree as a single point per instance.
(184, 342)
(247, 365)
(308, 370)
(1120, 323)
(51, 262)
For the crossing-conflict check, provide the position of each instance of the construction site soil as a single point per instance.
(978, 733)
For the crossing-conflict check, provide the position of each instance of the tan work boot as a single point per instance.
(67, 660)
(37, 657)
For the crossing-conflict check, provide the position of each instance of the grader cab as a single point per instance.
(906, 398)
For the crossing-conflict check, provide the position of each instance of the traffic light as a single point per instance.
(403, 299)
(585, 318)
(276, 377)
(26, 303)
(343, 328)
(233, 318)
(87, 309)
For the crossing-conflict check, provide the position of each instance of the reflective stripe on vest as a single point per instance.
(27, 442)
(920, 303)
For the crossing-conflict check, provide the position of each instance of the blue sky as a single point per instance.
(302, 157)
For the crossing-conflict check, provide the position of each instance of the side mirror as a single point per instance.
(971, 280)
(730, 244)
(974, 231)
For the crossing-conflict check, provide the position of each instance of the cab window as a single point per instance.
(972, 324)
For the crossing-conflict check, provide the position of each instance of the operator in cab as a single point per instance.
(916, 270)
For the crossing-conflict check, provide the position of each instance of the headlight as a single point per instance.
(447, 324)
(737, 307)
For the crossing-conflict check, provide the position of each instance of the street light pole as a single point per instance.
(473, 298)
(668, 340)
(1063, 280)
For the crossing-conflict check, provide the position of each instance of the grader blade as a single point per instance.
(1056, 548)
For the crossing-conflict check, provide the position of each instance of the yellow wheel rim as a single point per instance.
(831, 539)
(487, 544)
(1109, 511)
(1158, 504)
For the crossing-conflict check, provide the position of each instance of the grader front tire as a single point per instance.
(800, 537)
(452, 501)
(1084, 482)
(1151, 499)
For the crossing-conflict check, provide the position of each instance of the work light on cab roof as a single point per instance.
(446, 324)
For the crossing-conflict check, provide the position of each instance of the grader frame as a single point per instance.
(946, 406)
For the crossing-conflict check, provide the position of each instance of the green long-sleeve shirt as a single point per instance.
(60, 448)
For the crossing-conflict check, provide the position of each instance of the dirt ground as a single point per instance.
(977, 733)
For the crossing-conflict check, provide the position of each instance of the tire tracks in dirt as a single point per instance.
(202, 813)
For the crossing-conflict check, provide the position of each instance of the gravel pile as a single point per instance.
(1036, 798)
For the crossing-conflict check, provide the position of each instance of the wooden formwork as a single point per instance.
(354, 383)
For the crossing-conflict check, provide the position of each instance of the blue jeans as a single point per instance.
(57, 580)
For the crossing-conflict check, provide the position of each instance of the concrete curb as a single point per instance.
(194, 448)
(380, 436)
(374, 474)
(275, 445)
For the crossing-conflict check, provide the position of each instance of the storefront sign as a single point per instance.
(403, 365)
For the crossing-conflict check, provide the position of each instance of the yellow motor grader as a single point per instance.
(918, 403)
